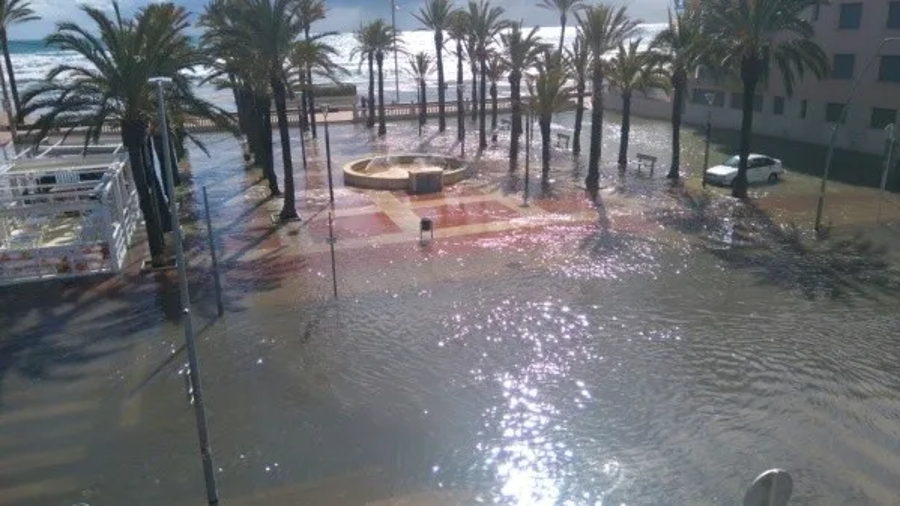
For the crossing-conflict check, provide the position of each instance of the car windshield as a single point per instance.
(733, 161)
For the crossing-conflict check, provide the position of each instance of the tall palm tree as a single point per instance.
(13, 12)
(420, 67)
(267, 30)
(496, 69)
(633, 70)
(310, 11)
(564, 8)
(520, 52)
(603, 28)
(457, 30)
(246, 78)
(121, 55)
(382, 39)
(365, 51)
(436, 15)
(751, 36)
(472, 55)
(551, 93)
(681, 48)
(485, 22)
(313, 57)
(578, 58)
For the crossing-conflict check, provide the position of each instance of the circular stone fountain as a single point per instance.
(398, 172)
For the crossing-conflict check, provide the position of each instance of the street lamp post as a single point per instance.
(891, 131)
(527, 153)
(396, 65)
(820, 204)
(212, 493)
(710, 97)
(328, 157)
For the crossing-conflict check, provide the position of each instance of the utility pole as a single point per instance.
(396, 65)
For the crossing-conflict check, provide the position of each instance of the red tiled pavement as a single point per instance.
(362, 225)
(455, 215)
(452, 191)
(567, 204)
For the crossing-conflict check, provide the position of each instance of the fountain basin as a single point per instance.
(400, 172)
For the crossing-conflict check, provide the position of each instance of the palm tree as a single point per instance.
(486, 22)
(496, 69)
(246, 78)
(681, 48)
(312, 57)
(472, 55)
(13, 12)
(752, 35)
(458, 29)
(603, 28)
(383, 40)
(112, 86)
(420, 67)
(551, 94)
(365, 51)
(267, 30)
(577, 59)
(520, 52)
(629, 71)
(310, 11)
(564, 8)
(437, 15)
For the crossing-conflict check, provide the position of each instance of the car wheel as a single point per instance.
(773, 178)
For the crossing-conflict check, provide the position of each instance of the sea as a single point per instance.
(33, 59)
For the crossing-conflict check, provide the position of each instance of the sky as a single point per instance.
(343, 15)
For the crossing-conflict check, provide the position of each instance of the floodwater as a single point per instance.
(611, 369)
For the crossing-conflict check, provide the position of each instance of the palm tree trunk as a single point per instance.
(303, 113)
(739, 187)
(370, 120)
(133, 139)
(579, 118)
(545, 147)
(311, 95)
(625, 131)
(493, 106)
(593, 177)
(156, 187)
(160, 156)
(382, 128)
(516, 127)
(438, 48)
(473, 64)
(482, 102)
(678, 85)
(562, 33)
(423, 102)
(265, 119)
(12, 75)
(460, 103)
(289, 210)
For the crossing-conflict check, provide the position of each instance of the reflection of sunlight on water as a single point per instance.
(527, 442)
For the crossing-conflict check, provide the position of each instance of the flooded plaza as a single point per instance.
(648, 345)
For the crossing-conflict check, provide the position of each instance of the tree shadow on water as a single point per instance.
(744, 237)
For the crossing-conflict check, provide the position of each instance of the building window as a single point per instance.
(834, 112)
(893, 20)
(803, 106)
(851, 15)
(889, 69)
(842, 68)
(737, 102)
(778, 106)
(698, 96)
(882, 117)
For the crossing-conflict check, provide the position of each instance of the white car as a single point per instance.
(760, 168)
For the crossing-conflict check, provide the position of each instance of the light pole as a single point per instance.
(891, 131)
(820, 204)
(527, 152)
(326, 110)
(212, 492)
(396, 65)
(710, 97)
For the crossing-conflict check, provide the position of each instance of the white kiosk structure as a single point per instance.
(65, 212)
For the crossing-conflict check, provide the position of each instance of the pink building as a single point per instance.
(850, 32)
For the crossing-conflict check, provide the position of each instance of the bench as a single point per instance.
(646, 161)
(562, 140)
